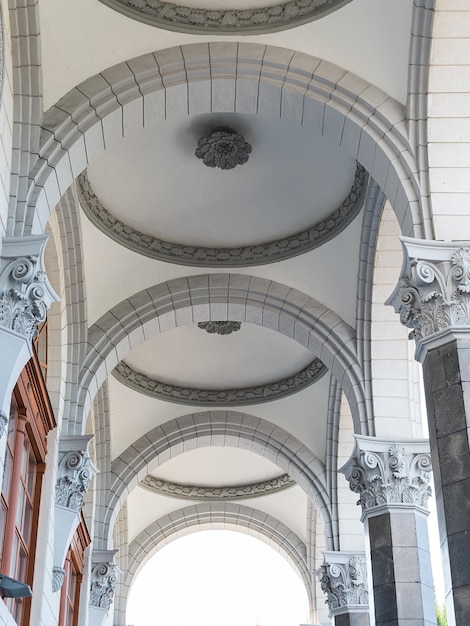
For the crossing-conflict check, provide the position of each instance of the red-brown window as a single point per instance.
(70, 594)
(31, 418)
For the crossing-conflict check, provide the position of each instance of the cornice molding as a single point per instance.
(225, 22)
(232, 492)
(219, 397)
(433, 293)
(244, 256)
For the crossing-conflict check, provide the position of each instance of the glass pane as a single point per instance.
(28, 516)
(21, 503)
(31, 478)
(21, 563)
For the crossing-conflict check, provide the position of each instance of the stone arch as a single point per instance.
(217, 428)
(231, 77)
(230, 516)
(236, 297)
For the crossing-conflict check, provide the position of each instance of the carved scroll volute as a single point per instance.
(433, 293)
(343, 578)
(25, 292)
(76, 469)
(384, 472)
(104, 574)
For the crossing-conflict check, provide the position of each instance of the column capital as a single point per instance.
(389, 473)
(433, 293)
(343, 578)
(25, 292)
(76, 469)
(104, 573)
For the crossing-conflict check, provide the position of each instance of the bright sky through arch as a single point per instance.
(217, 578)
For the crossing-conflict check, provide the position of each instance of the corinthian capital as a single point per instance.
(343, 579)
(386, 472)
(76, 469)
(433, 293)
(104, 575)
(25, 292)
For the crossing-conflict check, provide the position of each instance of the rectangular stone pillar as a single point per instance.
(401, 568)
(446, 371)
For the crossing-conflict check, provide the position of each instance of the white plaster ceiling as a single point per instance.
(217, 467)
(367, 37)
(189, 356)
(153, 182)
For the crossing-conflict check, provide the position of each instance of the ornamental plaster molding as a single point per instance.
(25, 292)
(387, 472)
(219, 397)
(343, 578)
(232, 492)
(244, 256)
(3, 423)
(58, 576)
(104, 574)
(433, 293)
(76, 469)
(220, 328)
(225, 21)
(224, 148)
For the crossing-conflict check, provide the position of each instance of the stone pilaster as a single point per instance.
(75, 472)
(104, 573)
(433, 299)
(392, 480)
(25, 296)
(343, 579)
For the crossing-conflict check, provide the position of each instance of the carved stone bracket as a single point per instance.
(343, 578)
(104, 573)
(58, 576)
(76, 469)
(25, 292)
(386, 472)
(433, 294)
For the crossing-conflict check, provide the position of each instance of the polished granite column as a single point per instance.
(433, 299)
(392, 479)
(343, 579)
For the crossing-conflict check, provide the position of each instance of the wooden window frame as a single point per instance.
(35, 419)
(74, 563)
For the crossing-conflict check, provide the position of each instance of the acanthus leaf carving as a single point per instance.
(103, 583)
(76, 469)
(343, 579)
(389, 473)
(433, 292)
(25, 292)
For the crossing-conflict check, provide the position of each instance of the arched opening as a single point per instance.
(204, 579)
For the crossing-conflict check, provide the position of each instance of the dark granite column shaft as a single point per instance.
(352, 619)
(446, 371)
(401, 568)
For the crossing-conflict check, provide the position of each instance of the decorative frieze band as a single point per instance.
(389, 473)
(245, 256)
(76, 469)
(224, 21)
(232, 492)
(433, 293)
(25, 292)
(343, 578)
(219, 397)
